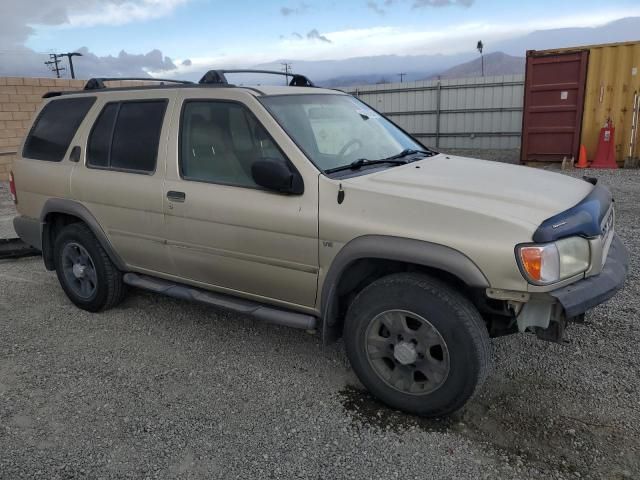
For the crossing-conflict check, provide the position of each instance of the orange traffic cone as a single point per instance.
(582, 158)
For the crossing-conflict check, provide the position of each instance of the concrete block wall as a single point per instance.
(19, 100)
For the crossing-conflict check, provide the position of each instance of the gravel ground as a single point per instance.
(160, 388)
(6, 212)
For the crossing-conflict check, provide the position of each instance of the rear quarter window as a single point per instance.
(55, 127)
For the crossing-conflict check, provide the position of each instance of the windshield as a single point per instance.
(336, 130)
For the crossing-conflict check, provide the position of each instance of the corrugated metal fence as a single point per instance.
(478, 113)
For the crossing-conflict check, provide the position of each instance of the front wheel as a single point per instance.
(417, 344)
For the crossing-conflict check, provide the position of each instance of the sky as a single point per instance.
(180, 37)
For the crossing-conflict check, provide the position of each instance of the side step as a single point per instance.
(261, 312)
(16, 248)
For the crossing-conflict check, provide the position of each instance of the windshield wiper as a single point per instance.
(397, 159)
(363, 162)
(409, 151)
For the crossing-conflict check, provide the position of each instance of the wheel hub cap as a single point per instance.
(405, 353)
(78, 270)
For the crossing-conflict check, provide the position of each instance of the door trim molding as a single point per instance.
(219, 252)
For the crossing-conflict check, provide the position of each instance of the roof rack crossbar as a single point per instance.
(218, 77)
(52, 94)
(98, 83)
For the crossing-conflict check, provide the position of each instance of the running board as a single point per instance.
(261, 312)
(16, 248)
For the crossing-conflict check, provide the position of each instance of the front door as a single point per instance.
(222, 229)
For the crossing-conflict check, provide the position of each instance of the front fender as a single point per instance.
(416, 252)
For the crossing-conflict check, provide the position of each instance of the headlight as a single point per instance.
(553, 262)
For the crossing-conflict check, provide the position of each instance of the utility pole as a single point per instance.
(69, 57)
(480, 47)
(402, 75)
(54, 64)
(286, 67)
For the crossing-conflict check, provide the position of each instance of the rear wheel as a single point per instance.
(86, 274)
(417, 344)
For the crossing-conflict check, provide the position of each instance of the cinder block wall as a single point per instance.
(19, 99)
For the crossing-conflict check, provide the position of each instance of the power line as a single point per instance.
(54, 63)
(402, 75)
(286, 68)
(70, 56)
(480, 48)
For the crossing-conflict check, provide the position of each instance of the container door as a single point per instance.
(554, 99)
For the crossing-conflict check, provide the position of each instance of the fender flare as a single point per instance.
(76, 209)
(406, 250)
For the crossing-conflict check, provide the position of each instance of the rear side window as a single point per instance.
(126, 136)
(100, 141)
(55, 127)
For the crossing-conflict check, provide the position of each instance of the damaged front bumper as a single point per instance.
(547, 314)
(585, 294)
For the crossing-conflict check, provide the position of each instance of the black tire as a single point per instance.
(108, 288)
(450, 314)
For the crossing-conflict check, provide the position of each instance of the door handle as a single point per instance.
(176, 196)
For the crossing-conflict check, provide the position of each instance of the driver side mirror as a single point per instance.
(277, 175)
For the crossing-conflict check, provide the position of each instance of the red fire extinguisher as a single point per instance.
(606, 152)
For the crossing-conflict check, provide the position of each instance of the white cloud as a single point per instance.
(129, 11)
(299, 10)
(388, 40)
(18, 19)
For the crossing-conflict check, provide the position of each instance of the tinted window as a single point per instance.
(55, 127)
(220, 141)
(126, 136)
(100, 139)
(137, 135)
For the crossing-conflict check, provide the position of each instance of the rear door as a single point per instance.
(121, 174)
(223, 231)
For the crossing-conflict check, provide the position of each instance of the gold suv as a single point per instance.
(305, 207)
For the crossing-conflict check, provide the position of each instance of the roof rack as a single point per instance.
(218, 77)
(98, 83)
(213, 78)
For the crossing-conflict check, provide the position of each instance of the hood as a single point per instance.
(514, 192)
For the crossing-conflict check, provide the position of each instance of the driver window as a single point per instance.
(219, 141)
